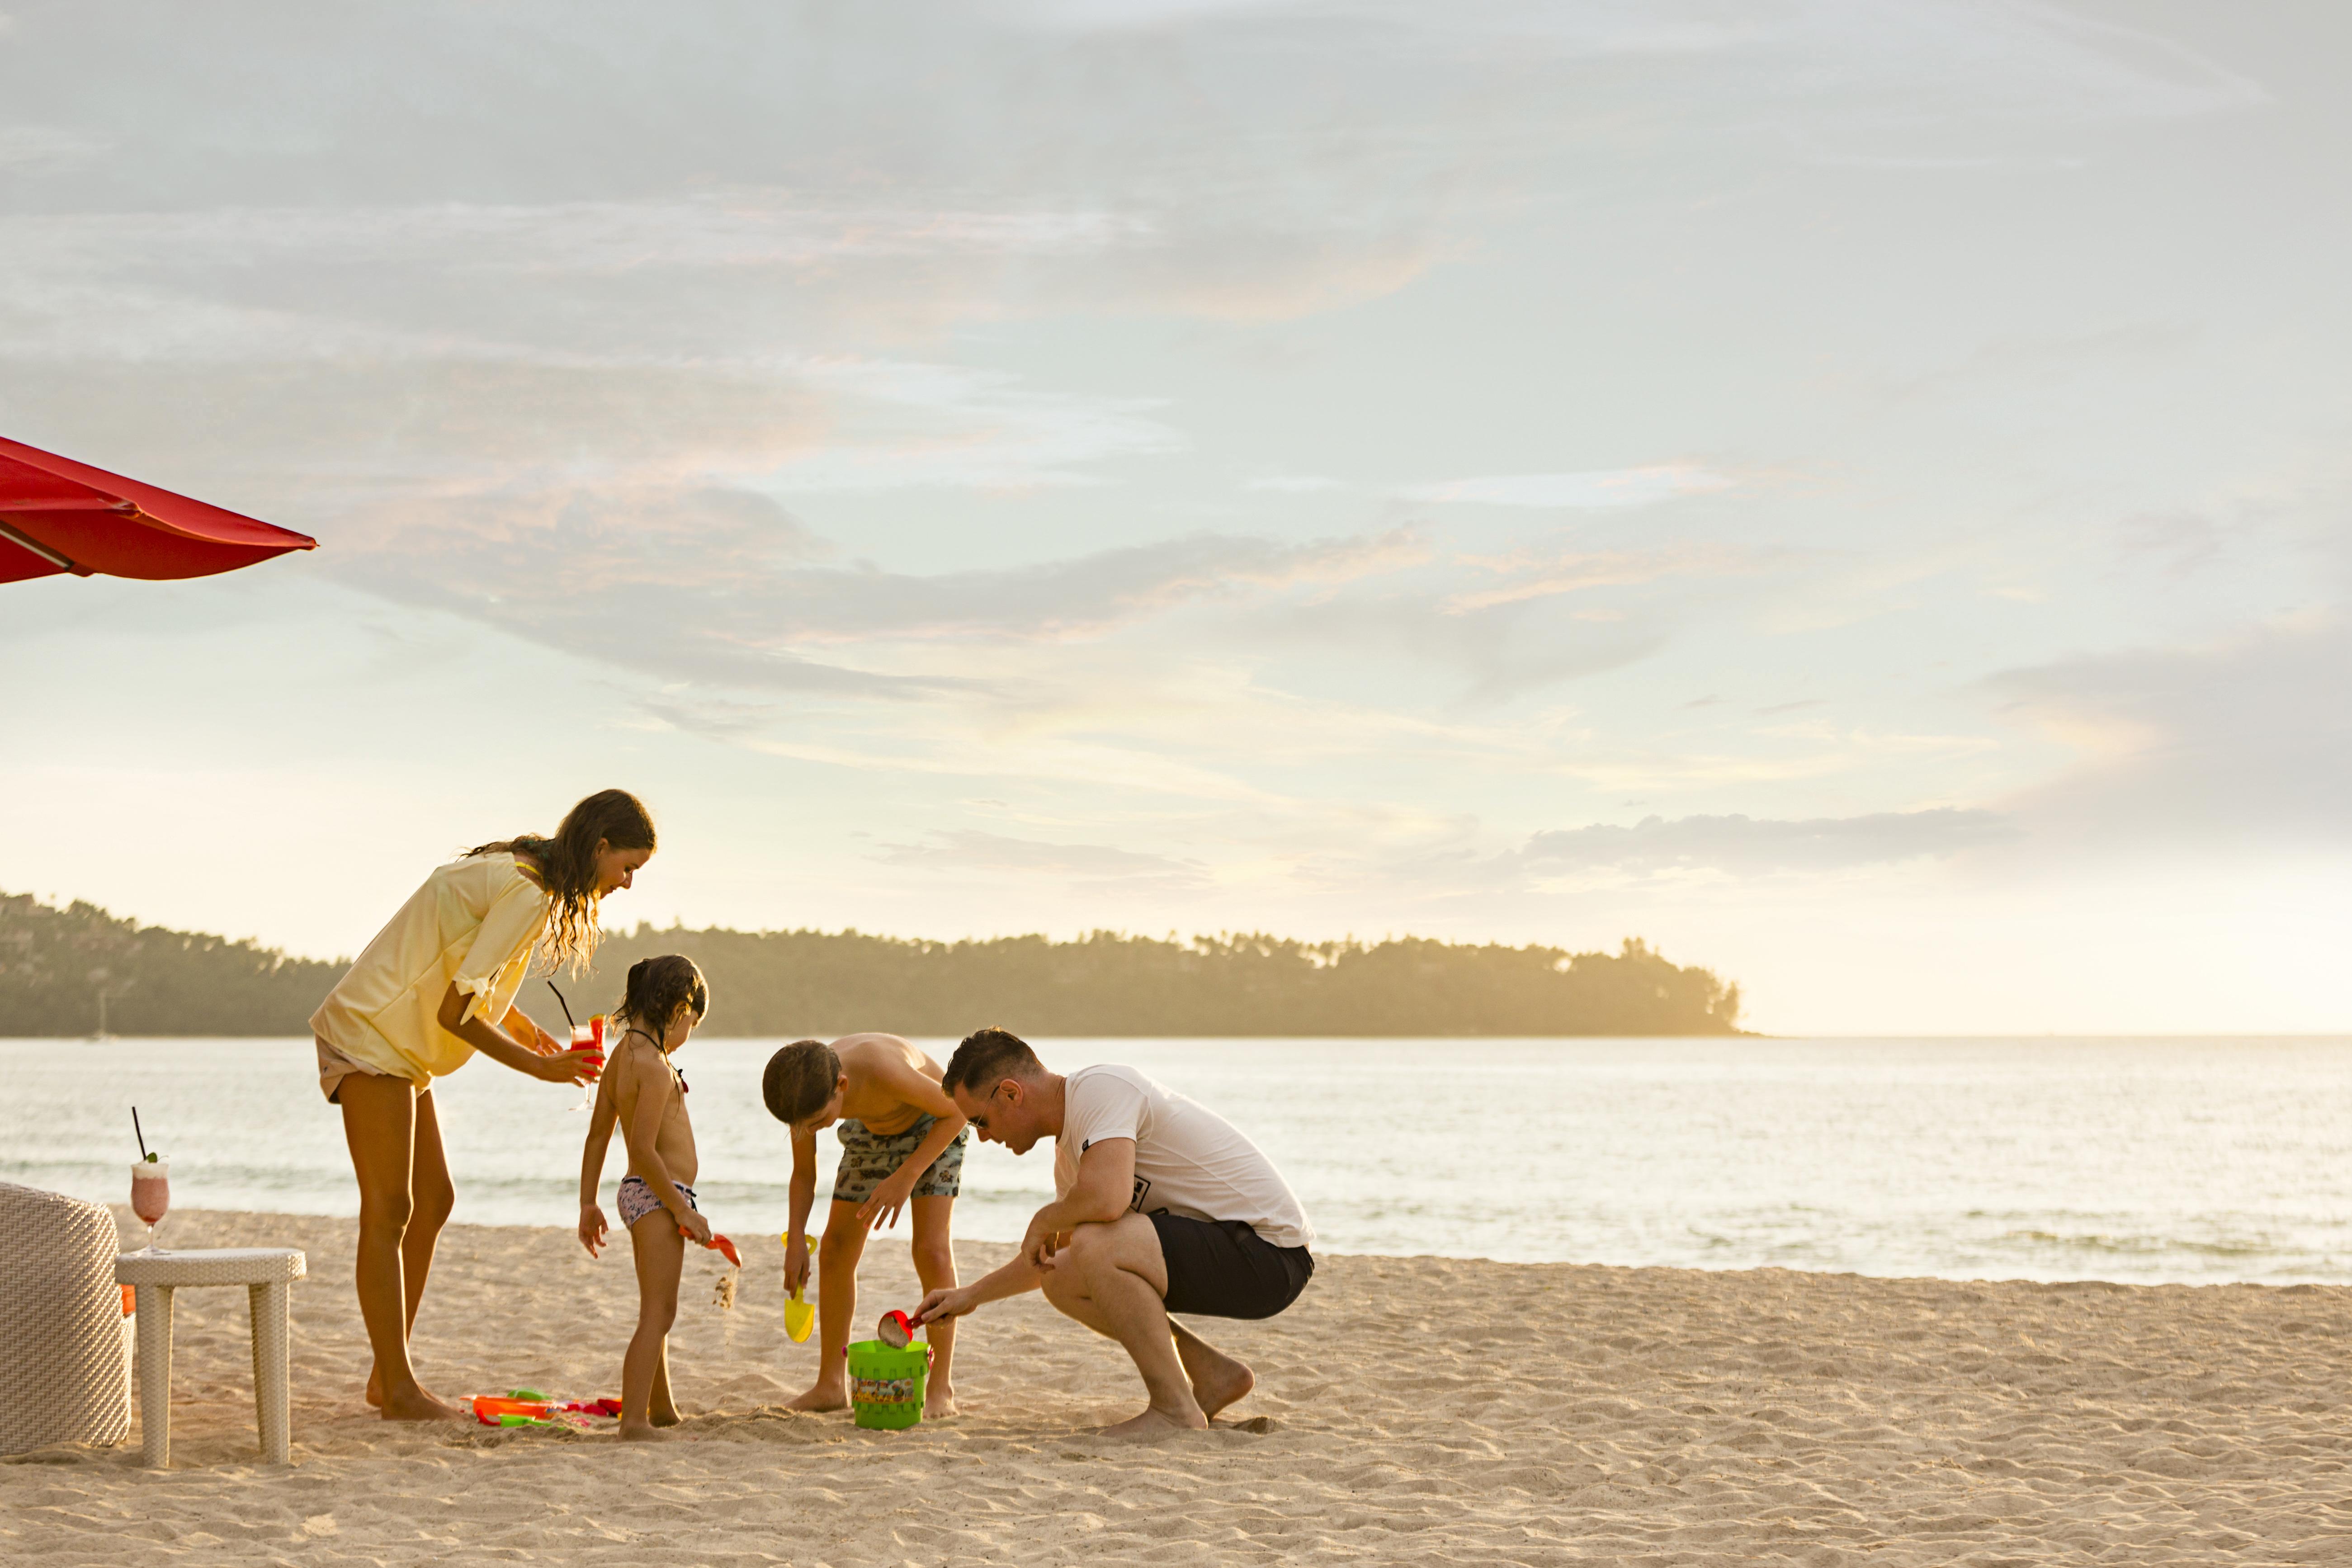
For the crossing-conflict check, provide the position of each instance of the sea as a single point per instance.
(2196, 1161)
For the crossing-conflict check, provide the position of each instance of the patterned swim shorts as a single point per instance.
(868, 1159)
(635, 1199)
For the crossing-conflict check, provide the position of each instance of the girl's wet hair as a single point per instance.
(800, 1079)
(567, 865)
(657, 988)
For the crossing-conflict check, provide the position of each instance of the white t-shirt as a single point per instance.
(1189, 1159)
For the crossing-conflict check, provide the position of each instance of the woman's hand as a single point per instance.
(592, 1227)
(881, 1208)
(796, 1264)
(577, 1065)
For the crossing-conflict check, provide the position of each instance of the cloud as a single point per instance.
(2243, 740)
(976, 853)
(1748, 846)
(1601, 487)
(1538, 574)
(43, 149)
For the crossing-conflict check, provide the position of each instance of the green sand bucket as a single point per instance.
(886, 1385)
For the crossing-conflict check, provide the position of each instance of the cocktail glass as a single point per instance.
(591, 1033)
(151, 1195)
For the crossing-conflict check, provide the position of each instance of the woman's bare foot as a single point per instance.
(824, 1396)
(648, 1432)
(1218, 1380)
(418, 1406)
(1155, 1422)
(939, 1404)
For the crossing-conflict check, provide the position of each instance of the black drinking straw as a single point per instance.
(135, 1132)
(562, 1004)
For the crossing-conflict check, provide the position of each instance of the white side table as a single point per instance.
(265, 1272)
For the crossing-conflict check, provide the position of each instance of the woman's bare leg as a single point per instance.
(382, 1123)
(660, 1254)
(935, 1267)
(837, 1252)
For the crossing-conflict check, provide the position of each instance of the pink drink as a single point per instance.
(150, 1194)
(590, 1036)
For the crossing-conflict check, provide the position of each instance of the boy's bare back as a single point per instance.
(891, 1085)
(639, 1069)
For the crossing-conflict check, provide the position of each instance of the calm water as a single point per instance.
(2198, 1160)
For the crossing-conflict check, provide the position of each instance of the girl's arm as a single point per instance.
(593, 1155)
(804, 1195)
(654, 1088)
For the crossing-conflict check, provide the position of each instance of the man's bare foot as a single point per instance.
(824, 1396)
(1218, 1380)
(648, 1432)
(1155, 1422)
(939, 1404)
(419, 1405)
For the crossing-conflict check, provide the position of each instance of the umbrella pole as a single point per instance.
(43, 551)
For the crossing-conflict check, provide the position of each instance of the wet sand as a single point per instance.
(1407, 1410)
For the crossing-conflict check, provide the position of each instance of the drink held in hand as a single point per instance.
(150, 1192)
(589, 1036)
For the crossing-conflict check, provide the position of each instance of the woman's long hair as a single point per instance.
(567, 865)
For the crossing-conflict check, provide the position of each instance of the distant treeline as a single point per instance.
(55, 963)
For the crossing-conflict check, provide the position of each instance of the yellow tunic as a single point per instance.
(473, 924)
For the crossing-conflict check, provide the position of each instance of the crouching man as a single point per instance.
(1162, 1207)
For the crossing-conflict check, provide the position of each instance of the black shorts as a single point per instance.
(1223, 1268)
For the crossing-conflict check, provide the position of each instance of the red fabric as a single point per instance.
(104, 523)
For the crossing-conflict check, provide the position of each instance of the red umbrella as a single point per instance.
(58, 515)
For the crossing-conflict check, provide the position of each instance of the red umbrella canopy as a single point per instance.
(58, 515)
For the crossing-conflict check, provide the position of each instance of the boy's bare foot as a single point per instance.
(421, 1406)
(666, 1415)
(939, 1404)
(1155, 1423)
(648, 1432)
(1218, 1380)
(824, 1396)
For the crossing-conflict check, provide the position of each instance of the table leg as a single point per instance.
(154, 1376)
(269, 1369)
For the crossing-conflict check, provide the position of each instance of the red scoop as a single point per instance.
(896, 1330)
(719, 1244)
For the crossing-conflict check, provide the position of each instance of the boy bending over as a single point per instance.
(902, 1143)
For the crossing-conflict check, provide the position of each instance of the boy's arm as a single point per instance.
(654, 1089)
(804, 1198)
(902, 1079)
(593, 1155)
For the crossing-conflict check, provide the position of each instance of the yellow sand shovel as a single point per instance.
(799, 1316)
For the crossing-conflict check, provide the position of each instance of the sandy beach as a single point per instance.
(1407, 1409)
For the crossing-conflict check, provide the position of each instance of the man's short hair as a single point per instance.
(799, 1081)
(986, 1058)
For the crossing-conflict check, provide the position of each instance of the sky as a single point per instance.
(1854, 494)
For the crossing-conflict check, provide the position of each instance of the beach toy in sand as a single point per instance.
(800, 1317)
(896, 1330)
(886, 1383)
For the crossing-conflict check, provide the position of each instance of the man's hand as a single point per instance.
(796, 1263)
(939, 1304)
(1038, 1247)
(692, 1225)
(881, 1209)
(592, 1227)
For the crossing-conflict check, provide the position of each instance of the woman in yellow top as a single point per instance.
(437, 986)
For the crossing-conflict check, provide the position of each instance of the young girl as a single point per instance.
(435, 987)
(645, 1094)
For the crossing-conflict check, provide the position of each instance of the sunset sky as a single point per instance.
(1852, 493)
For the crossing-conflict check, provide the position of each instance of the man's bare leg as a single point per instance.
(1112, 1279)
(935, 1268)
(1218, 1380)
(385, 1123)
(660, 1255)
(837, 1252)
